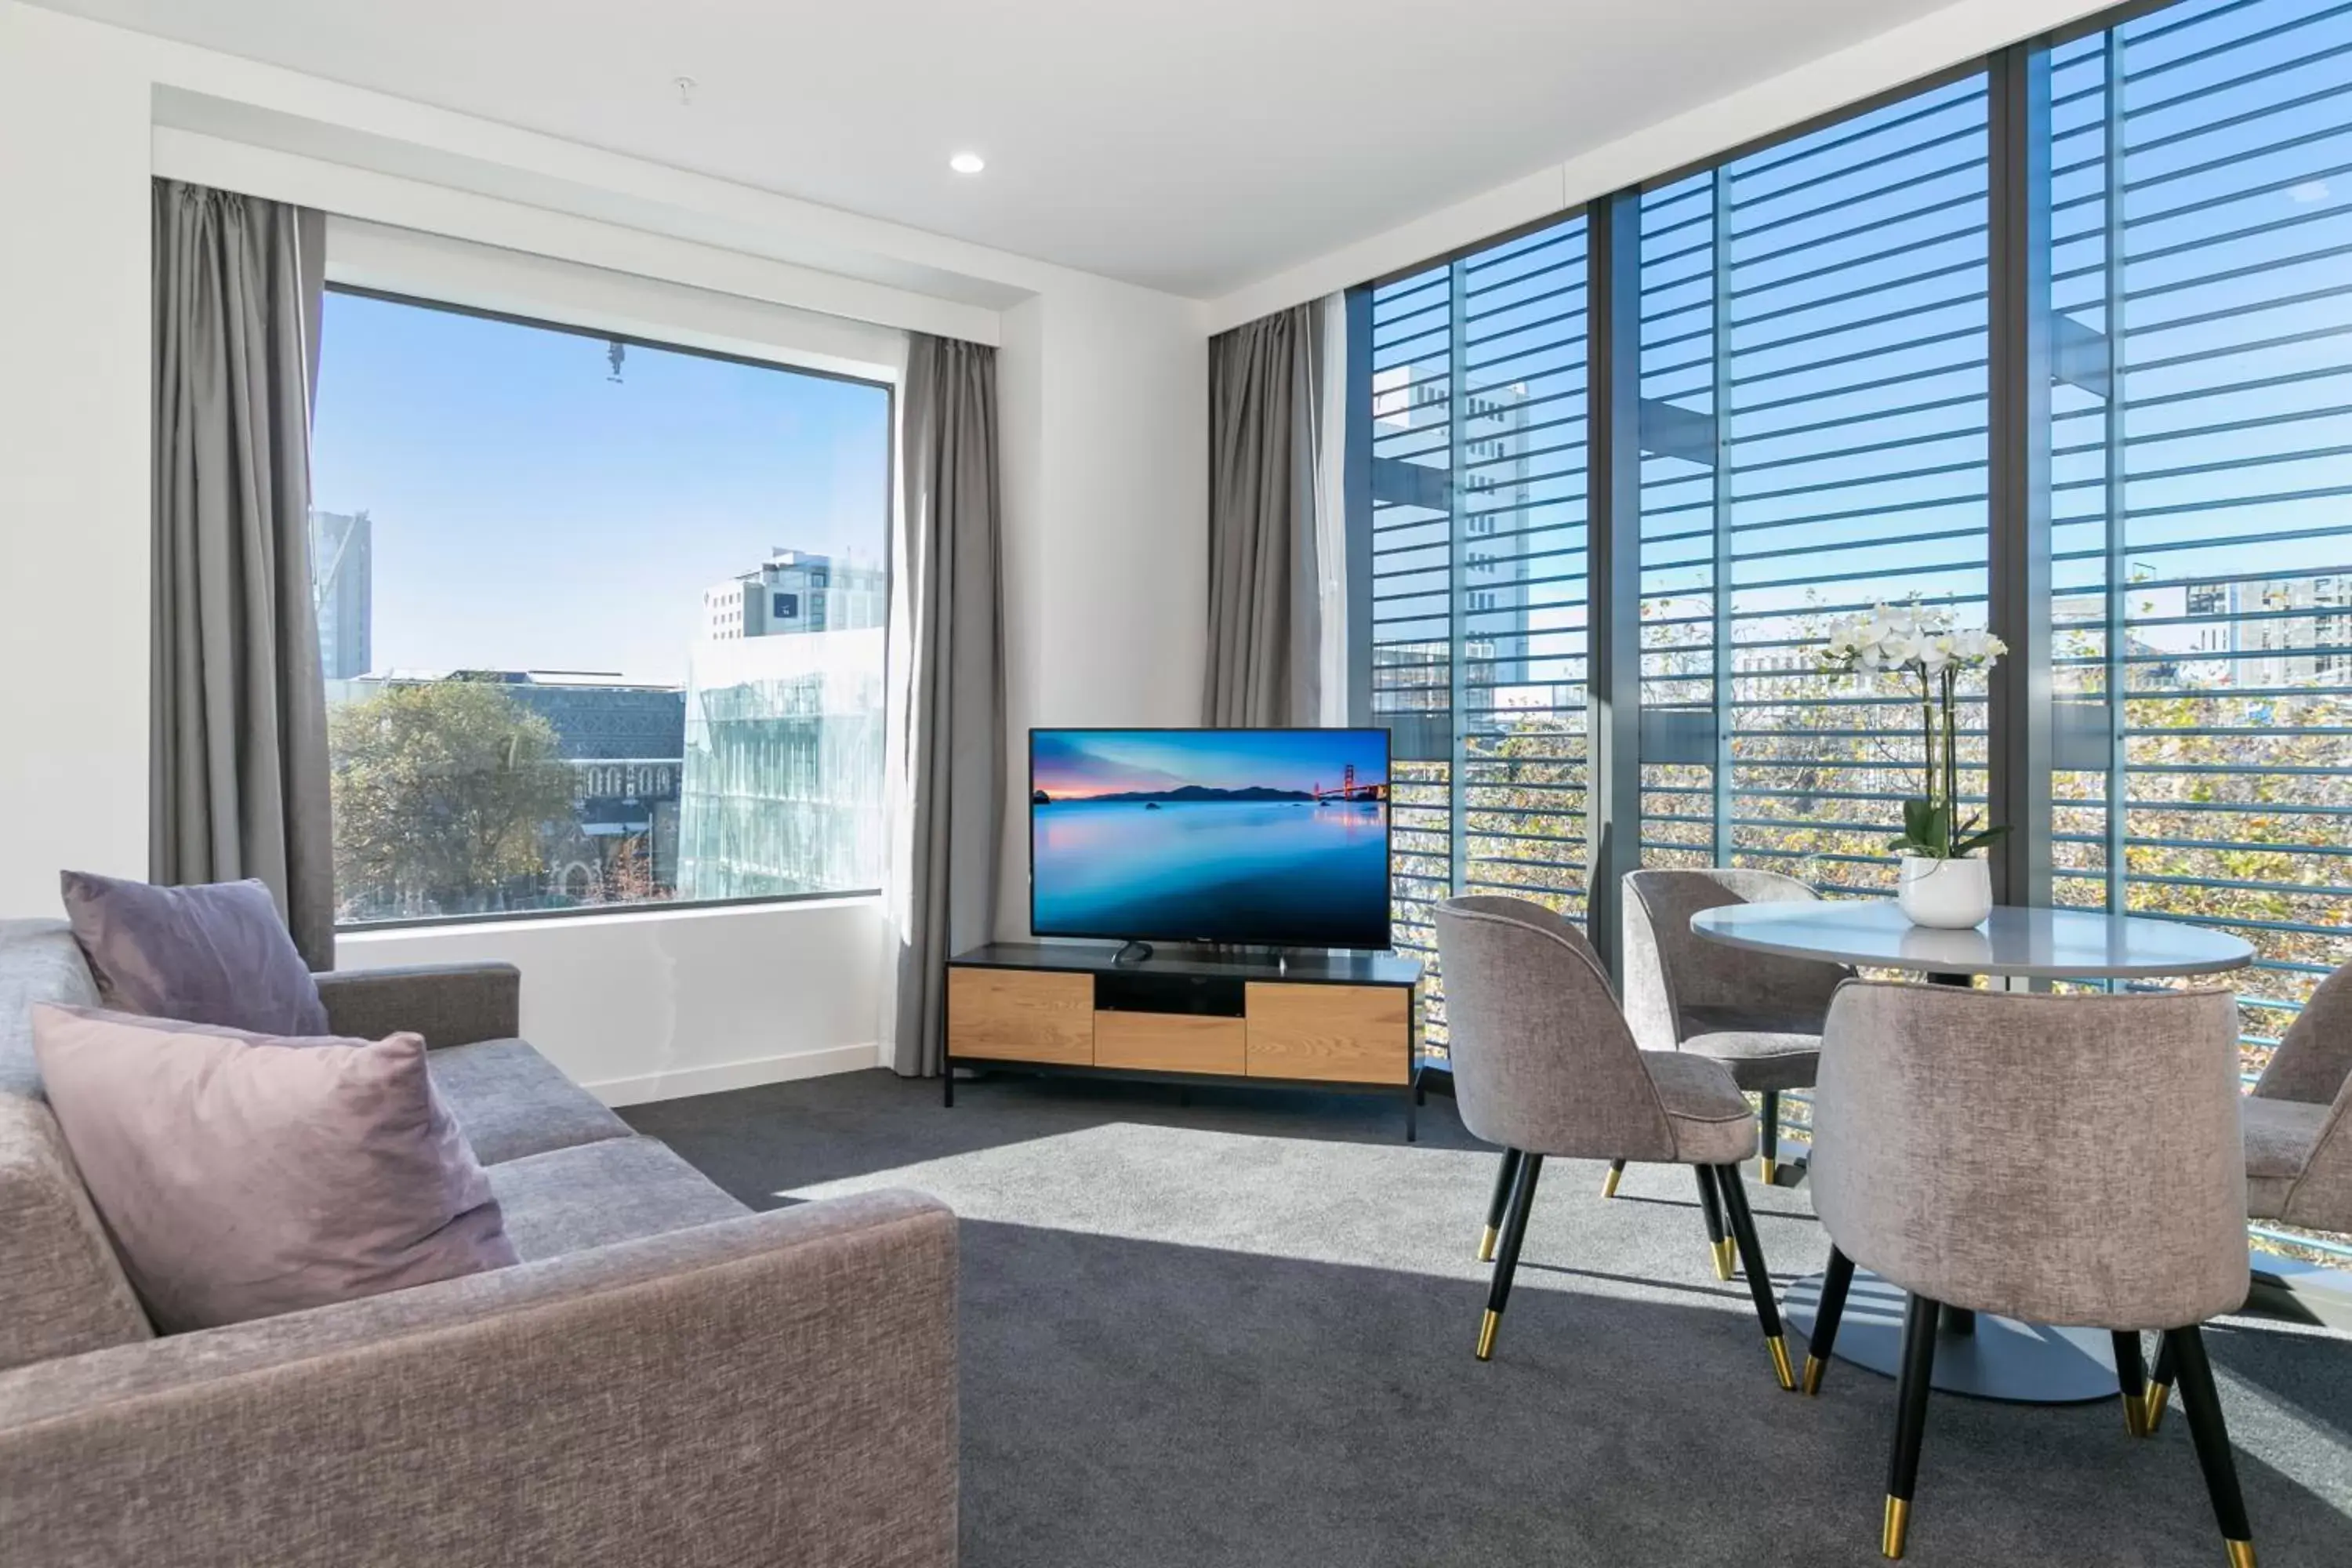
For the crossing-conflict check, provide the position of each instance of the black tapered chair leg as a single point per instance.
(1609, 1181)
(1718, 1246)
(1768, 1161)
(1507, 1254)
(1836, 1283)
(1505, 1176)
(2200, 1402)
(1918, 1372)
(2159, 1388)
(1759, 1278)
(2131, 1379)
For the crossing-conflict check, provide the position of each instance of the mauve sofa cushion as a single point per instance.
(215, 953)
(241, 1176)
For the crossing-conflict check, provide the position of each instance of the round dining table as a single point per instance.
(1977, 1353)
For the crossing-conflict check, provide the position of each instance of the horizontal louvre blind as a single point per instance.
(1814, 421)
(1478, 511)
(2201, 481)
(1810, 418)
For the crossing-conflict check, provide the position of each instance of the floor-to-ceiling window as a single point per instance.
(2065, 336)
(1811, 443)
(1477, 635)
(2201, 464)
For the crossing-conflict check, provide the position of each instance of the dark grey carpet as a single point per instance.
(1239, 1333)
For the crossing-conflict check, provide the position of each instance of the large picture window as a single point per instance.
(2061, 344)
(601, 621)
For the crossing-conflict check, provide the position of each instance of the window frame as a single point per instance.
(777, 359)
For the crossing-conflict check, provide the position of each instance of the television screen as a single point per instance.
(1273, 837)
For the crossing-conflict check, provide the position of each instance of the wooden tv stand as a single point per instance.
(1322, 1022)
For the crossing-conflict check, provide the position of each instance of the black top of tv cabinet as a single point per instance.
(1316, 968)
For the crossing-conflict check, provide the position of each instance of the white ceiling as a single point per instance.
(1191, 146)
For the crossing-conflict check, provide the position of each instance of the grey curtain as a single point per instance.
(238, 772)
(1264, 622)
(954, 714)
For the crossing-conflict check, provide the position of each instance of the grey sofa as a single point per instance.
(665, 1379)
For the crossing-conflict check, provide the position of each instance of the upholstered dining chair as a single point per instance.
(2299, 1126)
(1760, 1014)
(1991, 1151)
(1544, 1066)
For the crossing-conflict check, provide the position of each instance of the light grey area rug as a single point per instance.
(1239, 1332)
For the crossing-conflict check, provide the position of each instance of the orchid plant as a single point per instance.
(1919, 646)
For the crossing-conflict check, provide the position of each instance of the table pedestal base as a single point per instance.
(2000, 1358)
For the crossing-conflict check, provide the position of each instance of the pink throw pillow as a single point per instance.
(243, 1176)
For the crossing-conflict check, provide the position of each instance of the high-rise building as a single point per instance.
(2258, 633)
(1495, 495)
(796, 590)
(342, 591)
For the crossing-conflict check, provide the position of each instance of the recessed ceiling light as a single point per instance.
(967, 163)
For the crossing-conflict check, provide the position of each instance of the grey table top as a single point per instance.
(2044, 944)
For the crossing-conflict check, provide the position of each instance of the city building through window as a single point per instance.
(592, 636)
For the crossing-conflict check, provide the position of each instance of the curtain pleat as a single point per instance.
(948, 752)
(237, 770)
(1265, 591)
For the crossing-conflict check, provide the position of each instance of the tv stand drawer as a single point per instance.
(1170, 1042)
(1027, 1017)
(1333, 1033)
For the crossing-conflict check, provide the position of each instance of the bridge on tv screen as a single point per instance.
(1350, 790)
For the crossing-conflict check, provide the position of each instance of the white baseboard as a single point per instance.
(680, 1082)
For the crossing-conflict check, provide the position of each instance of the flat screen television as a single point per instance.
(1277, 837)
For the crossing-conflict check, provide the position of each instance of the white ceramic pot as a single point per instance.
(1950, 895)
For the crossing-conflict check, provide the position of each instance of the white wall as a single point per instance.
(74, 391)
(1104, 451)
(1104, 397)
(655, 1006)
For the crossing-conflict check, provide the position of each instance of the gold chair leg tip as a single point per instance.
(1896, 1527)
(1813, 1370)
(1723, 1259)
(1487, 1328)
(1780, 1363)
(1769, 1168)
(1609, 1182)
(2135, 1416)
(2241, 1553)
(2152, 1408)
(1487, 1245)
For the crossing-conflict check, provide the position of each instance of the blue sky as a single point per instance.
(530, 512)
